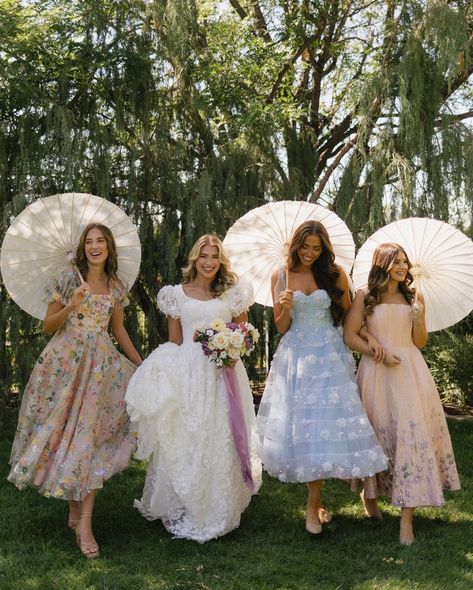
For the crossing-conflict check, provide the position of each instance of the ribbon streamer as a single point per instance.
(238, 424)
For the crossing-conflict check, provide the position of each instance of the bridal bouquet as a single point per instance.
(225, 342)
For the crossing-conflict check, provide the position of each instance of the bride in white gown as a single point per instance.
(178, 403)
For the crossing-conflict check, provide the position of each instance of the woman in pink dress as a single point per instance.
(73, 431)
(399, 393)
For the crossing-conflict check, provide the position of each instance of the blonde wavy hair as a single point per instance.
(224, 279)
(378, 279)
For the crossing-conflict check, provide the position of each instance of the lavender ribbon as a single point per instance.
(237, 420)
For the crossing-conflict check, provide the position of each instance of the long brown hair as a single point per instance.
(224, 279)
(324, 269)
(378, 279)
(111, 264)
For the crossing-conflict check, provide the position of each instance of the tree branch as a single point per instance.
(239, 9)
(330, 169)
(289, 63)
(260, 22)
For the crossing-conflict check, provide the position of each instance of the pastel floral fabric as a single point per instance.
(310, 421)
(403, 405)
(73, 430)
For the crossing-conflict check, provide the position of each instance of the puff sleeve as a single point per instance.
(120, 294)
(60, 287)
(169, 301)
(241, 297)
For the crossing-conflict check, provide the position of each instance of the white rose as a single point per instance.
(234, 353)
(236, 339)
(217, 324)
(219, 340)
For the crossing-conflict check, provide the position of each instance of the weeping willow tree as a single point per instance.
(187, 113)
(102, 98)
(361, 106)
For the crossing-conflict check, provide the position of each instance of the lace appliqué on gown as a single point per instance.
(177, 401)
(310, 421)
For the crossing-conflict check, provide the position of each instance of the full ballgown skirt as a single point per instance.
(404, 408)
(310, 421)
(73, 430)
(178, 404)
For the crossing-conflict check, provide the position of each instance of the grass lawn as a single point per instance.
(270, 550)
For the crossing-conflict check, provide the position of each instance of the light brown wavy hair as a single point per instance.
(378, 279)
(324, 269)
(111, 264)
(224, 279)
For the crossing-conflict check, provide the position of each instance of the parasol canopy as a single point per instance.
(42, 240)
(257, 243)
(442, 266)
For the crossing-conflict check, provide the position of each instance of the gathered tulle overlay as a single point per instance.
(73, 430)
(404, 407)
(178, 404)
(311, 423)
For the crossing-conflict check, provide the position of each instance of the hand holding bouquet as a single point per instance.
(224, 343)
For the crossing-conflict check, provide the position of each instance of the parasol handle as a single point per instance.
(418, 271)
(416, 288)
(71, 258)
(79, 273)
(287, 276)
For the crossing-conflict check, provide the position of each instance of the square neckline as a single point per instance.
(193, 298)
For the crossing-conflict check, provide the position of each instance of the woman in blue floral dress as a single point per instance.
(73, 431)
(310, 421)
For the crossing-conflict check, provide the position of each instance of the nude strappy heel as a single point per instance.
(89, 549)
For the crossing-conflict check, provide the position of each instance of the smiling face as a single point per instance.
(208, 262)
(399, 267)
(310, 250)
(95, 247)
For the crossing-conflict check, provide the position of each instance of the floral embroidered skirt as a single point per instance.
(404, 407)
(73, 430)
(311, 423)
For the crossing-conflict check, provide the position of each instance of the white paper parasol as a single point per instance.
(42, 241)
(257, 243)
(442, 266)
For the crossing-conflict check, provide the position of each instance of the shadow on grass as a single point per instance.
(270, 550)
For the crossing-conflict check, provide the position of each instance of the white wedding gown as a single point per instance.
(178, 404)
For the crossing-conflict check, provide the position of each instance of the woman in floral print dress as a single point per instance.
(399, 394)
(73, 431)
(310, 421)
